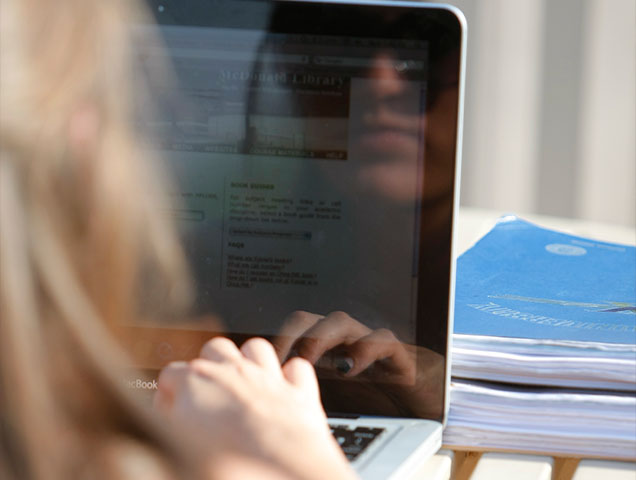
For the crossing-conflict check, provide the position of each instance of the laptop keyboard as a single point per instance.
(354, 441)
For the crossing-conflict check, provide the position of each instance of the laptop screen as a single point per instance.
(312, 150)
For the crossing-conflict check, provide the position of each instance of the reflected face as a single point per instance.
(394, 125)
(386, 127)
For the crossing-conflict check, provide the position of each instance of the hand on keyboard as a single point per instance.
(267, 419)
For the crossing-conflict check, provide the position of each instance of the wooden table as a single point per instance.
(467, 464)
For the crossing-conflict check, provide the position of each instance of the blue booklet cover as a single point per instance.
(524, 281)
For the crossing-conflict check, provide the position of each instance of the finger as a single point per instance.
(380, 344)
(161, 403)
(169, 381)
(337, 328)
(221, 349)
(300, 373)
(295, 325)
(204, 386)
(261, 352)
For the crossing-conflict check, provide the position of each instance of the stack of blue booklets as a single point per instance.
(543, 307)
(545, 340)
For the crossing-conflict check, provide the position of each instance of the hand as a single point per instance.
(351, 347)
(243, 404)
(405, 377)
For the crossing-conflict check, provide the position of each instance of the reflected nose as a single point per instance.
(385, 71)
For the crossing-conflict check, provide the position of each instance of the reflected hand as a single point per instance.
(353, 347)
(407, 377)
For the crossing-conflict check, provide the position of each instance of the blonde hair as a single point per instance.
(79, 225)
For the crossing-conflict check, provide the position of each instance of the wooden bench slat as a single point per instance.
(437, 468)
(605, 470)
(501, 466)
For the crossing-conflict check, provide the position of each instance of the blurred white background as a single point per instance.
(550, 115)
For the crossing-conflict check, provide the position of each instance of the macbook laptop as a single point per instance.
(314, 150)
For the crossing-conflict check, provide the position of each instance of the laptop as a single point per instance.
(314, 149)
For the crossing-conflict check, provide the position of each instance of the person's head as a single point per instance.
(79, 226)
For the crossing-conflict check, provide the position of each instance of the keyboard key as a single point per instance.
(354, 441)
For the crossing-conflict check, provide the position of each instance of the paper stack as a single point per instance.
(603, 366)
(552, 421)
(545, 333)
